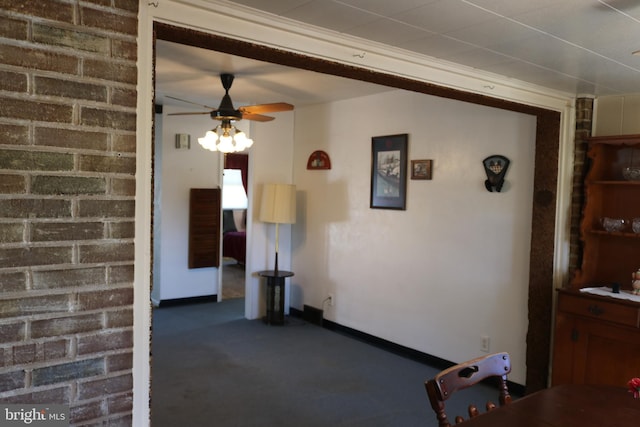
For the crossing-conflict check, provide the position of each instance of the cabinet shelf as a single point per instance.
(597, 338)
(612, 182)
(624, 234)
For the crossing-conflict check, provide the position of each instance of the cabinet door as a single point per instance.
(605, 353)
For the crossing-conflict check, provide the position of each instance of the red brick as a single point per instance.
(13, 282)
(50, 9)
(67, 372)
(106, 208)
(106, 341)
(22, 109)
(130, 5)
(13, 28)
(124, 143)
(57, 349)
(60, 231)
(118, 23)
(79, 40)
(39, 59)
(108, 164)
(56, 185)
(25, 257)
(12, 380)
(58, 395)
(11, 232)
(14, 134)
(68, 277)
(124, 97)
(13, 82)
(106, 252)
(12, 332)
(122, 230)
(119, 362)
(23, 354)
(71, 138)
(124, 49)
(30, 306)
(35, 160)
(12, 184)
(119, 274)
(66, 325)
(35, 208)
(119, 319)
(86, 411)
(109, 70)
(103, 299)
(120, 403)
(123, 187)
(70, 89)
(106, 386)
(107, 118)
(106, 3)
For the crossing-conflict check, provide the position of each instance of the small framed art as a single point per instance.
(389, 171)
(421, 169)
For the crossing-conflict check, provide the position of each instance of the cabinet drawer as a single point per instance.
(598, 309)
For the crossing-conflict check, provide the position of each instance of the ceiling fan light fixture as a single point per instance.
(209, 140)
(221, 139)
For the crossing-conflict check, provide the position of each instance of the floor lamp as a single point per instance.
(278, 206)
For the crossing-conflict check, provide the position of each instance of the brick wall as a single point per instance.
(584, 123)
(67, 164)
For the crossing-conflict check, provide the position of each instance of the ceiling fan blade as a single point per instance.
(189, 114)
(189, 102)
(266, 108)
(257, 117)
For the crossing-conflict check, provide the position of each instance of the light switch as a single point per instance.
(183, 141)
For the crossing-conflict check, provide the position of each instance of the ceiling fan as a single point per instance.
(226, 111)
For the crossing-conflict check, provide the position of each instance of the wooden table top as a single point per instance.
(566, 406)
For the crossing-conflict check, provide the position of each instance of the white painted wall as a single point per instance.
(453, 266)
(270, 161)
(179, 171)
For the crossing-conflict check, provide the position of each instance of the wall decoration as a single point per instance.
(496, 168)
(318, 160)
(421, 169)
(389, 171)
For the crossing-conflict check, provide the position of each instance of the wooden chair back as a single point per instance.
(465, 375)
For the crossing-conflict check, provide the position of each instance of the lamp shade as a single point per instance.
(278, 204)
(233, 194)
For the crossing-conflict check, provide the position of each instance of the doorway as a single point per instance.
(235, 197)
(541, 278)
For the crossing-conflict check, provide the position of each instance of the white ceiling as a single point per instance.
(576, 46)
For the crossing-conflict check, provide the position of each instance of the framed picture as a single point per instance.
(389, 171)
(421, 169)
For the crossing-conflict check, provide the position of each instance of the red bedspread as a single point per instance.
(234, 245)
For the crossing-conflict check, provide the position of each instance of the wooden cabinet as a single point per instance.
(597, 338)
(610, 256)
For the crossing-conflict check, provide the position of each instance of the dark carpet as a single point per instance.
(212, 367)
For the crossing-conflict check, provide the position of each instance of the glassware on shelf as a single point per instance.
(631, 173)
(613, 224)
(635, 225)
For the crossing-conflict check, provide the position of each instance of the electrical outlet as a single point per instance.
(484, 346)
(331, 300)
